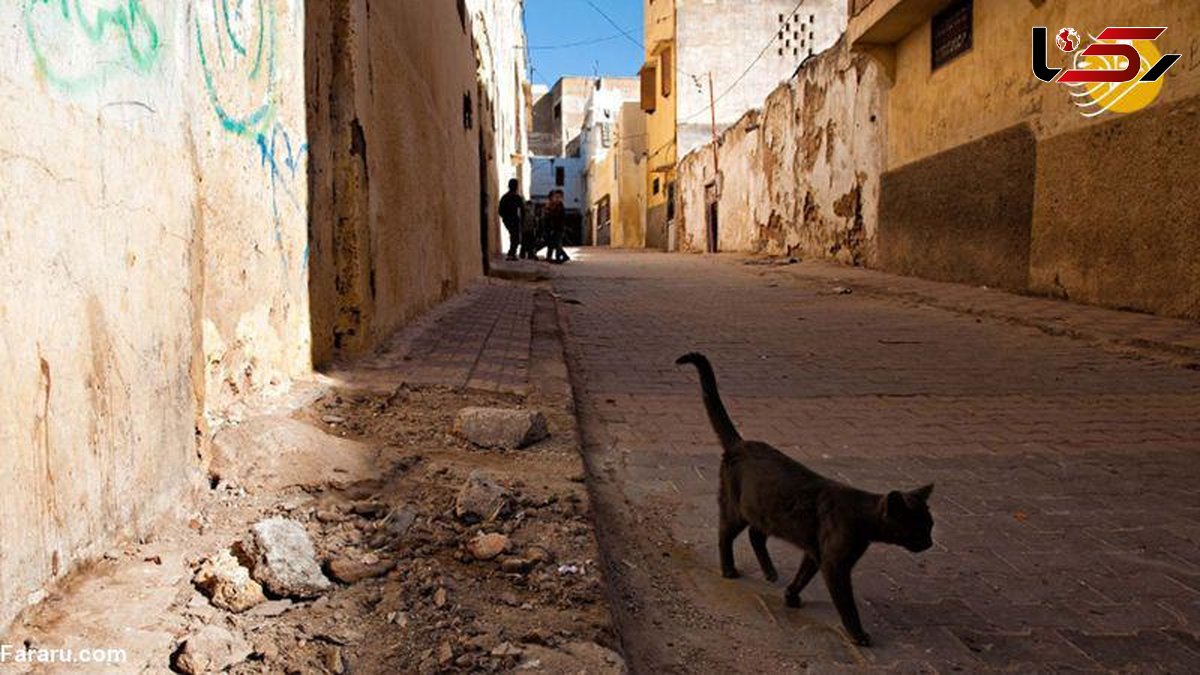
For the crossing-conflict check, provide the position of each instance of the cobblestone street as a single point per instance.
(1067, 519)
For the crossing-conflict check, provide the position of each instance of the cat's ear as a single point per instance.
(893, 504)
(923, 493)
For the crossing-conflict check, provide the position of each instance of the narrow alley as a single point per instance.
(341, 336)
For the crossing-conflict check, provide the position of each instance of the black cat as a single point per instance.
(775, 496)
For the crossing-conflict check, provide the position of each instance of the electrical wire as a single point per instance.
(581, 43)
(774, 37)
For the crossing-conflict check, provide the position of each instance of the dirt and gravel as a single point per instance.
(413, 588)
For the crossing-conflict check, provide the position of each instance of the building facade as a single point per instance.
(598, 145)
(497, 28)
(730, 53)
(994, 177)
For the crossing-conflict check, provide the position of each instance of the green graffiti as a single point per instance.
(241, 83)
(120, 37)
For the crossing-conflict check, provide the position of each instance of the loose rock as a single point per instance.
(480, 499)
(350, 571)
(227, 584)
(488, 546)
(284, 559)
(500, 427)
(211, 649)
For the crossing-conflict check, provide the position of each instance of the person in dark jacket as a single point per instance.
(512, 213)
(556, 228)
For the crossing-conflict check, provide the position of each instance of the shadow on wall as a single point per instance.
(396, 171)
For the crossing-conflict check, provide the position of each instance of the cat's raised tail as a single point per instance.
(712, 400)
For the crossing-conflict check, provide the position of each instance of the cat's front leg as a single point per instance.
(837, 578)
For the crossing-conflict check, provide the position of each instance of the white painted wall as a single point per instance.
(724, 37)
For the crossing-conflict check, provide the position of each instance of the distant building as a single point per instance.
(596, 142)
(617, 183)
(686, 43)
(559, 112)
(566, 174)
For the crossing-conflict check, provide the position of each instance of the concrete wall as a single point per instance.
(723, 37)
(152, 192)
(397, 196)
(801, 176)
(1088, 236)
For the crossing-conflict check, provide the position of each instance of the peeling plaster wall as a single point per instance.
(151, 259)
(801, 176)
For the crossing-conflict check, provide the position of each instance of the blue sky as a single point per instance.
(552, 23)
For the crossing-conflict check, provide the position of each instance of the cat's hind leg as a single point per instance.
(731, 527)
(808, 569)
(758, 541)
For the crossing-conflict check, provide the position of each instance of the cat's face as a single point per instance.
(908, 520)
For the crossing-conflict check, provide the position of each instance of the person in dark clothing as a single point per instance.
(556, 227)
(530, 235)
(512, 213)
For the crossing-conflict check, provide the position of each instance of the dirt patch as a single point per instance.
(420, 601)
(439, 609)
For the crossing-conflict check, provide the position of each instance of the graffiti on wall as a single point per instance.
(237, 43)
(78, 45)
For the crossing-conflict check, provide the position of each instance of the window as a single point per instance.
(668, 74)
(657, 187)
(951, 33)
(560, 176)
(558, 111)
(468, 112)
(649, 89)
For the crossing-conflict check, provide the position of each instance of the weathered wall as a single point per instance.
(397, 197)
(661, 153)
(151, 259)
(251, 154)
(801, 176)
(1091, 237)
(629, 228)
(498, 30)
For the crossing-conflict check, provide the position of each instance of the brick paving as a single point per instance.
(1067, 513)
(479, 340)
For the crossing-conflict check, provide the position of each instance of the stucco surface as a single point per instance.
(152, 192)
(963, 215)
(800, 176)
(1117, 220)
(990, 87)
(397, 195)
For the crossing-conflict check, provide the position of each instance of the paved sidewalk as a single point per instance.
(1067, 512)
(479, 340)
